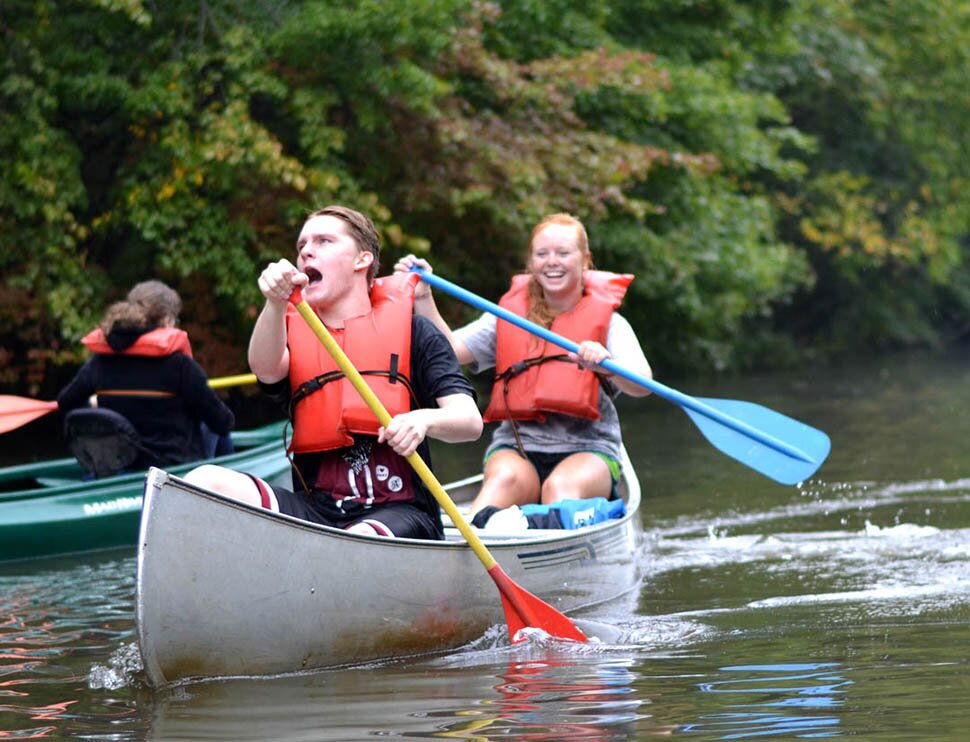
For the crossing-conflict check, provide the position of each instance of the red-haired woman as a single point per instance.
(559, 436)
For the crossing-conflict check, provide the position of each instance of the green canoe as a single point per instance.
(47, 508)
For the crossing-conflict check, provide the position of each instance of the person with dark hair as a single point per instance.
(161, 303)
(142, 369)
(559, 437)
(352, 472)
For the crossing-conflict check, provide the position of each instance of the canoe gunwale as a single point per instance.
(157, 478)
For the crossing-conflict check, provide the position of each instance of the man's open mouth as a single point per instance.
(314, 275)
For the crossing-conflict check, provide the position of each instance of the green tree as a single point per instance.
(777, 173)
(883, 215)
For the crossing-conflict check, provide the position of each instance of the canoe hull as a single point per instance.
(224, 589)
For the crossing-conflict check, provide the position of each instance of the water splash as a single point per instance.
(903, 530)
(123, 665)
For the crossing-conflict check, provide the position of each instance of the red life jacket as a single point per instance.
(327, 409)
(552, 385)
(162, 341)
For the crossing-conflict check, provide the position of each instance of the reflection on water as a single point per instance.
(837, 609)
(774, 700)
(557, 697)
(546, 689)
(56, 618)
(554, 699)
(533, 699)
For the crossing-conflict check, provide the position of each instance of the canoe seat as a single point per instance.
(103, 441)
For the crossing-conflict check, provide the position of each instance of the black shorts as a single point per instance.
(400, 519)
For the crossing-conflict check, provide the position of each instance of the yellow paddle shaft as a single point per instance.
(222, 382)
(375, 405)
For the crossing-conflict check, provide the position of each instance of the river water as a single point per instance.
(838, 608)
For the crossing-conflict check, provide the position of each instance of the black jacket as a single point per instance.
(168, 424)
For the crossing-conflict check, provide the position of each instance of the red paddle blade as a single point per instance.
(17, 411)
(522, 609)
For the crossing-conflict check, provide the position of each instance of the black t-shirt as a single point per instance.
(434, 373)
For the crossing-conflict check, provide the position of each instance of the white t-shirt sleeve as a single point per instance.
(622, 343)
(479, 337)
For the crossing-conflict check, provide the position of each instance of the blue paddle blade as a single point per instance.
(779, 447)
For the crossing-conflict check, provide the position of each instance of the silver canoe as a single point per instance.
(225, 589)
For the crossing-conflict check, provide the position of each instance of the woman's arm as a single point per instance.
(425, 306)
(78, 391)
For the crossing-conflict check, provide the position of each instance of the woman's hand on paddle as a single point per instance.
(278, 280)
(405, 432)
(590, 353)
(403, 265)
(424, 306)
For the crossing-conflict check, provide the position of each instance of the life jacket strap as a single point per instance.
(318, 382)
(522, 366)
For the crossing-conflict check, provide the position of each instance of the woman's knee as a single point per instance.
(570, 483)
(557, 488)
(511, 473)
(509, 480)
(503, 477)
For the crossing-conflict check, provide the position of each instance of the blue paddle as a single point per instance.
(776, 445)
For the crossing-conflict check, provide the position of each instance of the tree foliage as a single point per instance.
(778, 173)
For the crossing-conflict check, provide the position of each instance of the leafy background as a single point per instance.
(788, 179)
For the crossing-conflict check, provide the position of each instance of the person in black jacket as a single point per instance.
(143, 368)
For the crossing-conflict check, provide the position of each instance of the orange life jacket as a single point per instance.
(524, 391)
(162, 341)
(327, 409)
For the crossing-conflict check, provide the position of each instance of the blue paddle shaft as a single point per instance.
(673, 395)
